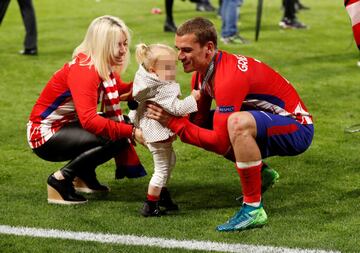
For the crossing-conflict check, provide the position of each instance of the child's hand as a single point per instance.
(196, 94)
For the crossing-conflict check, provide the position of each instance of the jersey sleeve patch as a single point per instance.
(225, 109)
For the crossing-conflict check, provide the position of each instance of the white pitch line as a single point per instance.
(150, 241)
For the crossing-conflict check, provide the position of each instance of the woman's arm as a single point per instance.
(83, 84)
(124, 88)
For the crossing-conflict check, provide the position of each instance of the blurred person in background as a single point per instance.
(289, 20)
(230, 13)
(299, 6)
(204, 5)
(28, 16)
(169, 25)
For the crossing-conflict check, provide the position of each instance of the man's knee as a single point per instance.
(241, 124)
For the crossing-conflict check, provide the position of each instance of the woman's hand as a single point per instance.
(138, 136)
(156, 112)
(126, 96)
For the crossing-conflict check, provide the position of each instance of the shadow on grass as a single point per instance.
(355, 194)
(329, 57)
(204, 196)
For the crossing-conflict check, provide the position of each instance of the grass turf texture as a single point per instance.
(316, 202)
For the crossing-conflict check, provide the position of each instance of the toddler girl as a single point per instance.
(155, 81)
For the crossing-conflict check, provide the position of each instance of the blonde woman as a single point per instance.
(64, 123)
(155, 81)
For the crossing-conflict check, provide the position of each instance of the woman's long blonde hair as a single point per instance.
(100, 43)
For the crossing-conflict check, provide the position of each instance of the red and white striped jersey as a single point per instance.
(73, 94)
(240, 83)
(353, 9)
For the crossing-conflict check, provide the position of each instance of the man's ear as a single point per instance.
(210, 47)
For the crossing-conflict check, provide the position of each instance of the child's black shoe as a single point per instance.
(150, 208)
(166, 201)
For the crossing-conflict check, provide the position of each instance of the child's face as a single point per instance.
(165, 67)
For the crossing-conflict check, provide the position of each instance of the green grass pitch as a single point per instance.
(315, 205)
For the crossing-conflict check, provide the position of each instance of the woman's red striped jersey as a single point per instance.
(73, 86)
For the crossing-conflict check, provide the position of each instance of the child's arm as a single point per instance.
(167, 98)
(184, 106)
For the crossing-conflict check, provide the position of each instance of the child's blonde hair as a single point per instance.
(100, 43)
(148, 55)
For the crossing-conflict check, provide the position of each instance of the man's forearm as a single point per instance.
(207, 139)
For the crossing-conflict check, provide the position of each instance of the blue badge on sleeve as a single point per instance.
(226, 109)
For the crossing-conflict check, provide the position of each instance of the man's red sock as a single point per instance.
(250, 177)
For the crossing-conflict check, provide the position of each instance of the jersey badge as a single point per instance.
(226, 109)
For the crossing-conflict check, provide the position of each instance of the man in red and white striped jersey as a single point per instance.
(258, 114)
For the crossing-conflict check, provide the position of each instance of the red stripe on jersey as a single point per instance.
(353, 9)
(348, 2)
(356, 31)
(278, 130)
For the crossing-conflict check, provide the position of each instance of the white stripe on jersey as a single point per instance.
(354, 12)
(275, 109)
(64, 109)
(45, 128)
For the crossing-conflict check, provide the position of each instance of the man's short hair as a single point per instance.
(203, 29)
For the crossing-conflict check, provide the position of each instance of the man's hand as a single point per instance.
(156, 112)
(196, 94)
